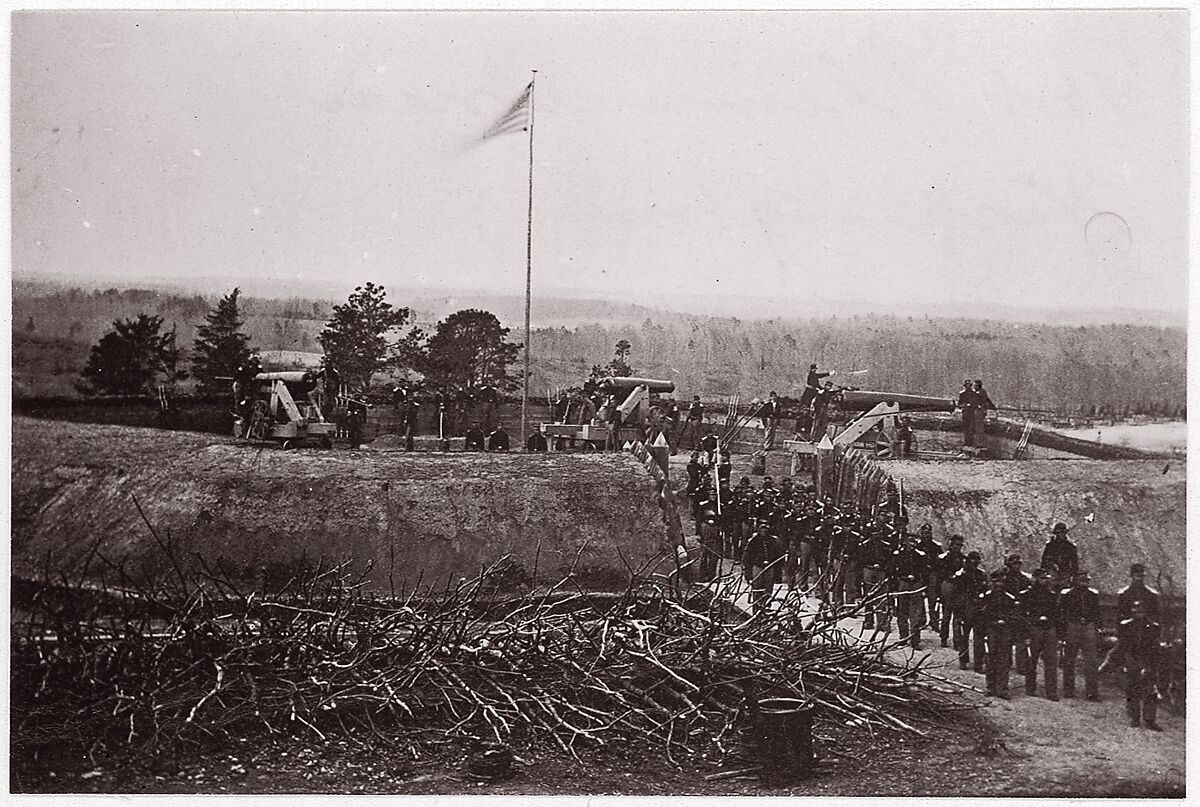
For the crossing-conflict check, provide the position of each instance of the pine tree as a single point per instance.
(220, 346)
(356, 338)
(131, 359)
(469, 351)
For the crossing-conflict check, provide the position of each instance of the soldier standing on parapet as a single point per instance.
(983, 403)
(1043, 615)
(1061, 555)
(1080, 607)
(498, 439)
(967, 403)
(770, 413)
(693, 422)
(811, 385)
(821, 401)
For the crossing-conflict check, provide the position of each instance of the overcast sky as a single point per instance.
(1020, 157)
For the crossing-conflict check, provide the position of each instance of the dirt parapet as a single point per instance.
(1119, 511)
(251, 511)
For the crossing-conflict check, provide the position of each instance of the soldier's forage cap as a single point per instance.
(996, 575)
(812, 366)
(974, 556)
(1011, 559)
(1137, 568)
(926, 527)
(956, 539)
(1059, 528)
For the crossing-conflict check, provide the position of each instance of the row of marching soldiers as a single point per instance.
(870, 565)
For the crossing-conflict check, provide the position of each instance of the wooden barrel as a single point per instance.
(781, 736)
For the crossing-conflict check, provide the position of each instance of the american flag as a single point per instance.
(516, 118)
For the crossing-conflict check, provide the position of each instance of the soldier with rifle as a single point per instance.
(1000, 617)
(948, 564)
(1138, 636)
(932, 551)
(760, 564)
(1043, 615)
(874, 555)
(906, 570)
(968, 584)
(1080, 606)
(1016, 583)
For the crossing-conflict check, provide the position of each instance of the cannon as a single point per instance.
(875, 418)
(270, 410)
(634, 408)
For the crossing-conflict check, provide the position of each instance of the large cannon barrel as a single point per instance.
(628, 382)
(287, 377)
(862, 400)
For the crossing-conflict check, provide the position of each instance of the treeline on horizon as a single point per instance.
(1114, 368)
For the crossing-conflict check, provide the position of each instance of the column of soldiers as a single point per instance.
(870, 564)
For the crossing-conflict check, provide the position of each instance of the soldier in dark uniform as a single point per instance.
(474, 438)
(969, 583)
(948, 564)
(821, 401)
(498, 440)
(874, 555)
(356, 420)
(769, 414)
(412, 410)
(1061, 555)
(968, 403)
(907, 568)
(1040, 605)
(932, 551)
(1000, 617)
(536, 442)
(400, 397)
(441, 401)
(1139, 633)
(982, 404)
(710, 542)
(1016, 583)
(1080, 606)
(811, 384)
(693, 421)
(760, 564)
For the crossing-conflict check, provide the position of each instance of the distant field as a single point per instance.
(1164, 437)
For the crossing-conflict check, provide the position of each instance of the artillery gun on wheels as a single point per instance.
(871, 420)
(267, 409)
(633, 399)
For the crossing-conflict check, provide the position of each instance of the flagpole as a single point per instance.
(528, 269)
